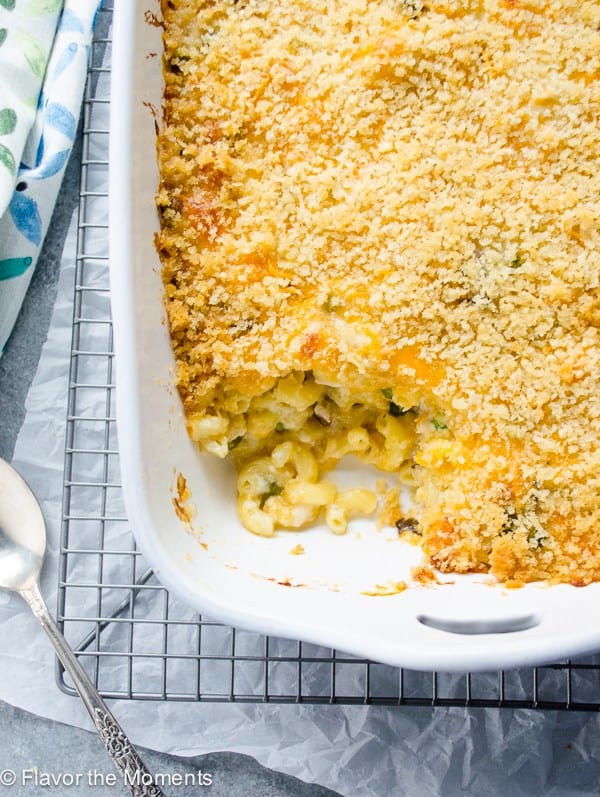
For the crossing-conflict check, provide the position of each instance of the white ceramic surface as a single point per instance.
(223, 570)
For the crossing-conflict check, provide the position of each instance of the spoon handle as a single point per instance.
(135, 775)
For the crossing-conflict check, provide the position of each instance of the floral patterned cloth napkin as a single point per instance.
(44, 48)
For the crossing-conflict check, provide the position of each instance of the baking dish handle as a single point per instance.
(506, 624)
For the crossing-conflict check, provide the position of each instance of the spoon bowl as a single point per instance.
(22, 532)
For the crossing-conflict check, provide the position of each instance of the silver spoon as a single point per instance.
(22, 548)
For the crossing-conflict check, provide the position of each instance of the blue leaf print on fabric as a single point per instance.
(65, 60)
(26, 216)
(53, 165)
(61, 118)
(14, 267)
(39, 155)
(70, 21)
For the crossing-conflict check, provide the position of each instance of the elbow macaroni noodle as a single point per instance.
(283, 445)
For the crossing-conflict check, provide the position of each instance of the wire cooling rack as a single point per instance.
(133, 638)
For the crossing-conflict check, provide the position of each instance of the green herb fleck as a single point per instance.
(525, 521)
(273, 488)
(510, 522)
(533, 540)
(235, 442)
(279, 427)
(517, 262)
(438, 425)
(408, 525)
(412, 8)
(330, 305)
(536, 534)
(394, 409)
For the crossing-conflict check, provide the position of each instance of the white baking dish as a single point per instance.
(223, 570)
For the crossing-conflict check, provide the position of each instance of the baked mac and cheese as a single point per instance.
(380, 238)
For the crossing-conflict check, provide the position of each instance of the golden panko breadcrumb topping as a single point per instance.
(400, 197)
